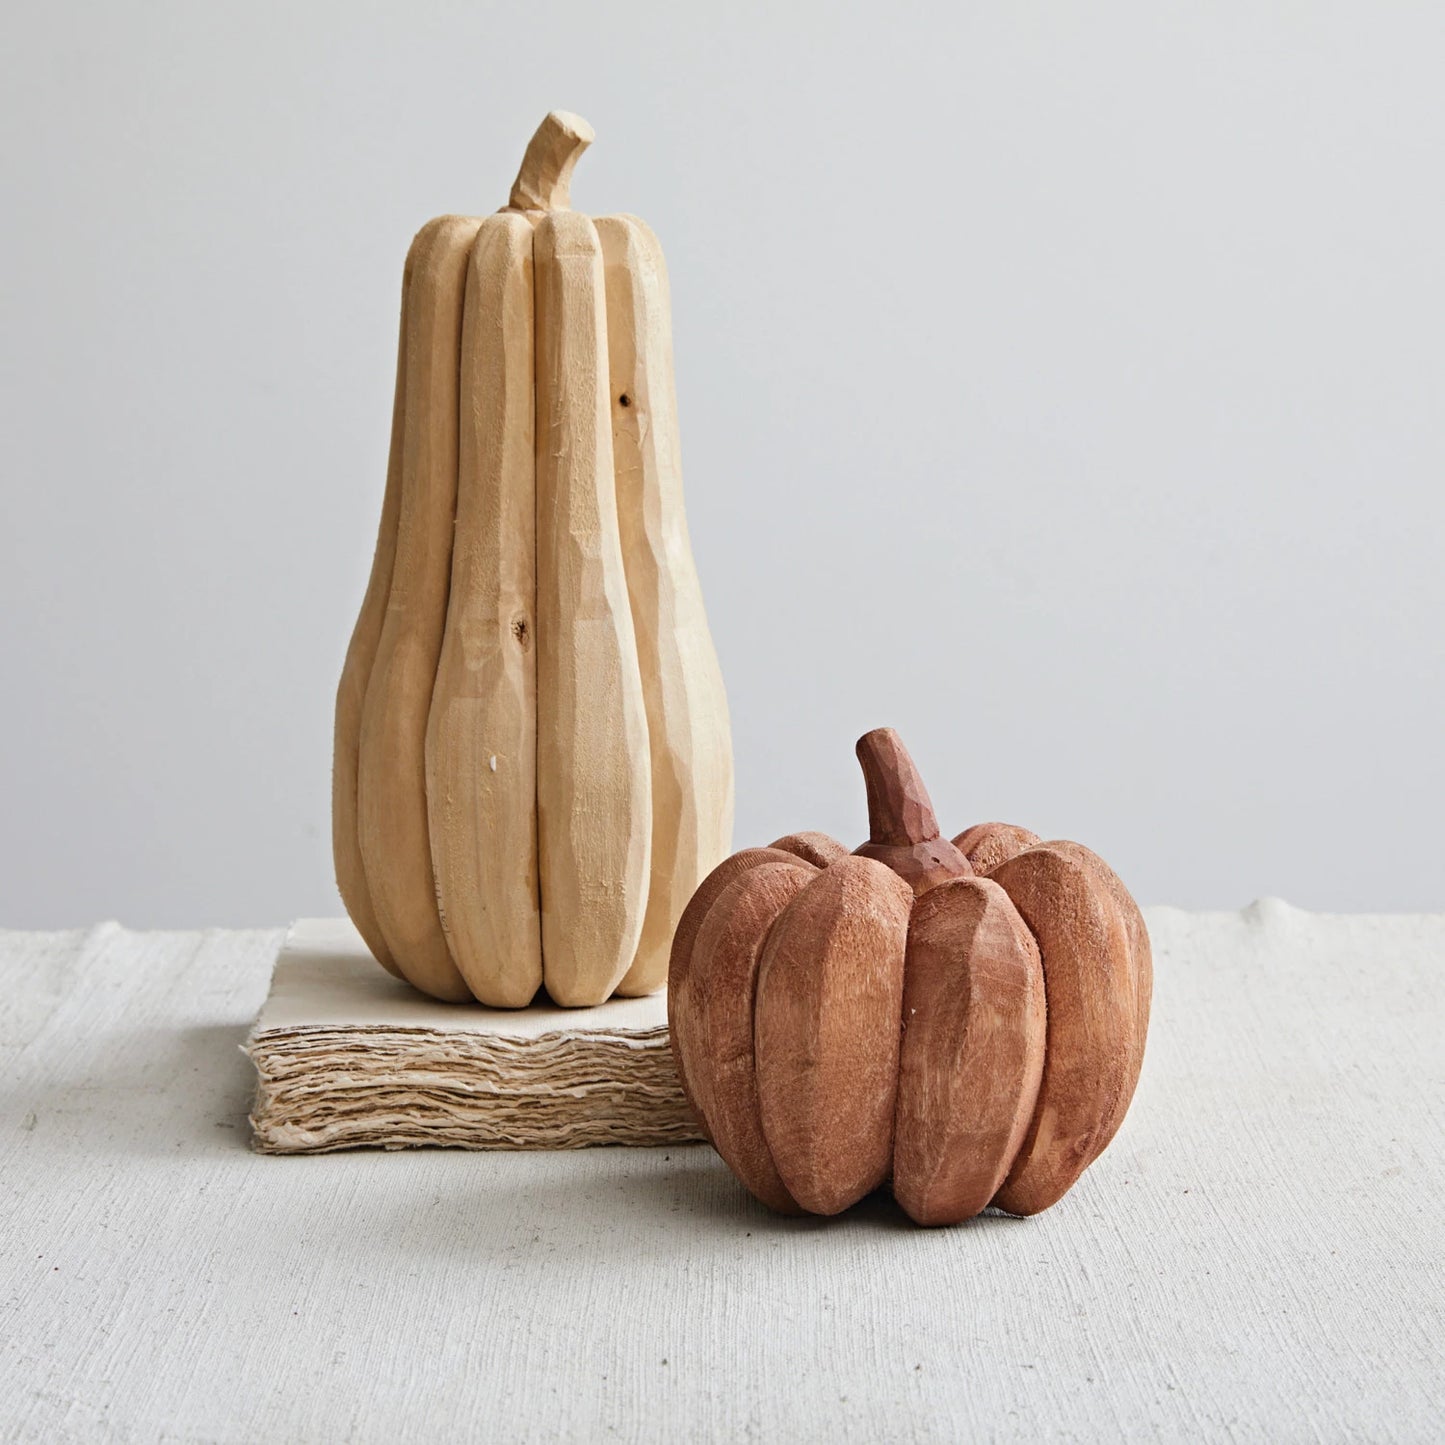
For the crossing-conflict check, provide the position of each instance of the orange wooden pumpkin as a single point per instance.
(965, 1019)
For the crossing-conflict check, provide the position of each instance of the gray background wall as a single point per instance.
(1060, 384)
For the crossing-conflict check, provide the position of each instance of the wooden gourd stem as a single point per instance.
(900, 812)
(544, 182)
(902, 826)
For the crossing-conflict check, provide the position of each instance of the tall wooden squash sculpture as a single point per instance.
(533, 768)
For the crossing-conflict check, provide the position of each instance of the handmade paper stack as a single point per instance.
(349, 1057)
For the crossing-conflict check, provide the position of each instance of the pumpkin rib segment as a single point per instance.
(1084, 943)
(972, 1052)
(826, 1035)
(816, 848)
(356, 670)
(1141, 965)
(987, 845)
(391, 788)
(687, 717)
(594, 781)
(682, 1035)
(481, 743)
(727, 953)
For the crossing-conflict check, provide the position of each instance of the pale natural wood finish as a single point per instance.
(727, 953)
(577, 652)
(1092, 1059)
(902, 826)
(973, 1050)
(816, 848)
(481, 747)
(687, 712)
(986, 845)
(829, 995)
(356, 670)
(594, 780)
(544, 182)
(391, 790)
(681, 973)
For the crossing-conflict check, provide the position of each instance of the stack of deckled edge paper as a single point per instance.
(349, 1057)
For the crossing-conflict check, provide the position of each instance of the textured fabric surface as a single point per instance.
(1257, 1257)
(349, 1057)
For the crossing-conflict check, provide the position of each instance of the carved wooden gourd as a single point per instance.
(965, 1019)
(532, 765)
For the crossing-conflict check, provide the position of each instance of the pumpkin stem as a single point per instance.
(899, 810)
(544, 183)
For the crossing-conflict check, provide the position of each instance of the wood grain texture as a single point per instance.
(687, 715)
(1091, 1062)
(681, 975)
(356, 672)
(572, 777)
(391, 771)
(830, 991)
(997, 974)
(481, 745)
(726, 956)
(986, 845)
(972, 1053)
(902, 826)
(1141, 952)
(594, 777)
(1254, 1258)
(816, 848)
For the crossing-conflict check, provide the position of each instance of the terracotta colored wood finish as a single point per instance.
(481, 750)
(829, 993)
(1141, 954)
(685, 1039)
(687, 713)
(391, 768)
(1022, 998)
(973, 1050)
(727, 953)
(816, 848)
(1090, 1064)
(902, 827)
(356, 671)
(594, 776)
(986, 845)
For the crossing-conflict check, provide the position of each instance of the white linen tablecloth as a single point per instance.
(1258, 1256)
